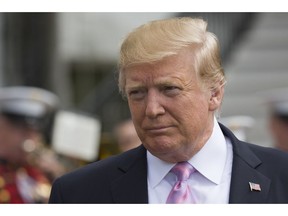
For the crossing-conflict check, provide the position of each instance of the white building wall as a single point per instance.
(97, 35)
(1, 51)
(91, 37)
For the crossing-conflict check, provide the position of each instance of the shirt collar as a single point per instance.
(157, 169)
(209, 161)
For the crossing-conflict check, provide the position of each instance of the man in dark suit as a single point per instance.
(170, 71)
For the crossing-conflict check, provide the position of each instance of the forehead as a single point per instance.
(171, 68)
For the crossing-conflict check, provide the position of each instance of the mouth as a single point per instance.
(157, 129)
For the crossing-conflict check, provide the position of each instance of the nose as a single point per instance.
(154, 106)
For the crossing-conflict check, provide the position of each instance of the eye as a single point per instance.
(171, 90)
(136, 94)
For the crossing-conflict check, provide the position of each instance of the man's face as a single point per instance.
(171, 111)
(11, 139)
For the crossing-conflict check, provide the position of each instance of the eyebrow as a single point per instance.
(158, 83)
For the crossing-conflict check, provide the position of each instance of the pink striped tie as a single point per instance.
(181, 192)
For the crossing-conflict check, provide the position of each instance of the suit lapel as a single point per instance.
(243, 175)
(131, 187)
(244, 170)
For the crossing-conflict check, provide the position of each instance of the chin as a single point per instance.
(162, 149)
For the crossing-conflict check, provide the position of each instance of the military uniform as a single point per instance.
(23, 182)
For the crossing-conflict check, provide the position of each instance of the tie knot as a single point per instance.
(182, 170)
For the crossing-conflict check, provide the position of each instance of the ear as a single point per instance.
(216, 98)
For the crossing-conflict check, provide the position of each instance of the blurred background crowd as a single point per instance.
(59, 101)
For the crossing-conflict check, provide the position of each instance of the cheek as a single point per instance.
(195, 105)
(134, 108)
(194, 113)
(137, 113)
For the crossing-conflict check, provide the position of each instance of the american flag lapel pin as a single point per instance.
(254, 186)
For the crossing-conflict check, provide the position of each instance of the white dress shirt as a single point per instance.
(211, 181)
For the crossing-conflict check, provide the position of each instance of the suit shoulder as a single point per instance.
(273, 161)
(268, 153)
(106, 168)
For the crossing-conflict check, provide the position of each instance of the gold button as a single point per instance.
(2, 182)
(4, 196)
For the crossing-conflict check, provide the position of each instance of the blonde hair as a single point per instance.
(158, 39)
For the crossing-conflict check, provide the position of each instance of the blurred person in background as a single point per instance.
(171, 74)
(126, 136)
(278, 125)
(278, 117)
(27, 164)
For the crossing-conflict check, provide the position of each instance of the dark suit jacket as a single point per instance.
(123, 178)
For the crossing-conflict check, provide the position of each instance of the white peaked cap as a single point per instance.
(27, 101)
